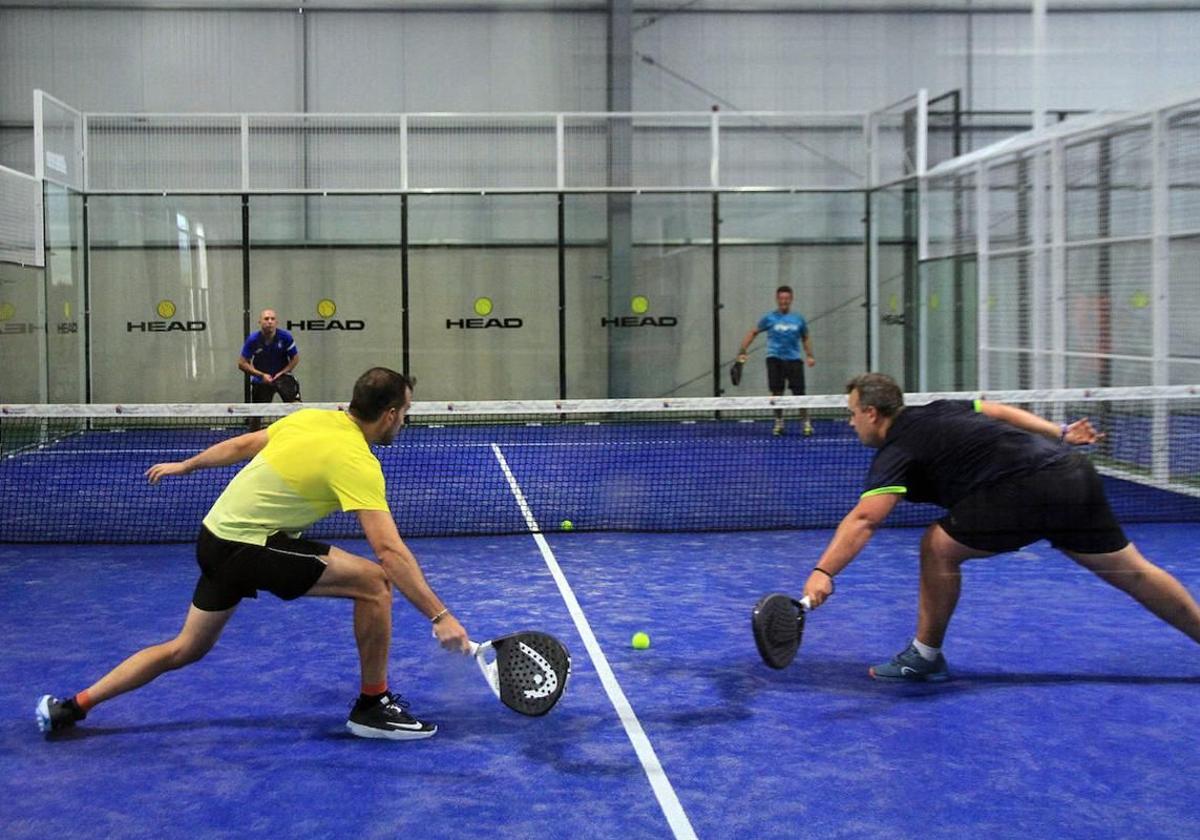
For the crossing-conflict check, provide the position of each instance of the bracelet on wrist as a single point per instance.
(445, 612)
(827, 574)
(1062, 432)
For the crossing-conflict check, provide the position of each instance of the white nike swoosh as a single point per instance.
(549, 681)
(905, 671)
(414, 725)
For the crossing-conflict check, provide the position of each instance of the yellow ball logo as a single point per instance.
(7, 310)
(165, 308)
(483, 306)
(326, 308)
(640, 304)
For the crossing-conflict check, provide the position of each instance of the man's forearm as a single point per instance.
(219, 455)
(404, 573)
(1022, 419)
(291, 365)
(852, 535)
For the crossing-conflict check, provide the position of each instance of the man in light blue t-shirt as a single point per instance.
(785, 330)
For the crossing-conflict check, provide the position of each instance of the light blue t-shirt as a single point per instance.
(784, 333)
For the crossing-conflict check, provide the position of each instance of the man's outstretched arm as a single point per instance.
(231, 451)
(853, 533)
(1078, 433)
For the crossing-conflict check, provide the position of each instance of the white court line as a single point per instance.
(681, 827)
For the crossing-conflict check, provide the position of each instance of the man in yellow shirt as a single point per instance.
(303, 467)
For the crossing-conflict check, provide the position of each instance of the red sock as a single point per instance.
(374, 690)
(83, 701)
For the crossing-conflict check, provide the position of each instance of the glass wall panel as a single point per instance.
(814, 243)
(65, 346)
(330, 267)
(892, 218)
(165, 287)
(22, 334)
(483, 296)
(587, 295)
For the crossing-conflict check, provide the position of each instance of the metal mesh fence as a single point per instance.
(21, 239)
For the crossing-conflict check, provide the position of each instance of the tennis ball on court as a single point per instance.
(567, 525)
(640, 641)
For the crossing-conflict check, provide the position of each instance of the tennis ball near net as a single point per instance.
(567, 525)
(640, 641)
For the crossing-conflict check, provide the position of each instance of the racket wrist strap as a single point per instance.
(445, 612)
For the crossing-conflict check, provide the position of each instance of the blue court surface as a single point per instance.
(1072, 712)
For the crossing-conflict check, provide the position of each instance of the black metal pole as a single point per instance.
(716, 293)
(562, 297)
(245, 283)
(867, 222)
(87, 307)
(404, 343)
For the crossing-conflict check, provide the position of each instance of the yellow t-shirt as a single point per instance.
(315, 462)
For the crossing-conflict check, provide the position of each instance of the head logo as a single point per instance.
(10, 327)
(165, 309)
(483, 308)
(639, 305)
(326, 308)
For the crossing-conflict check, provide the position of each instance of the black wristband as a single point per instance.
(822, 571)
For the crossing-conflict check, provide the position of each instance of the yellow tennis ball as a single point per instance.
(567, 525)
(641, 641)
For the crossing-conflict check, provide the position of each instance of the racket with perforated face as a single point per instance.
(288, 387)
(778, 624)
(528, 671)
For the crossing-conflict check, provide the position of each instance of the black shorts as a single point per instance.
(231, 571)
(790, 371)
(264, 392)
(1063, 502)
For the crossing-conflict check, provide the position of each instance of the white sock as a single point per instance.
(929, 654)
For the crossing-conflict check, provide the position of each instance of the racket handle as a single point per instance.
(806, 603)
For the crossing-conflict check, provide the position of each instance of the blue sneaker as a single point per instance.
(909, 666)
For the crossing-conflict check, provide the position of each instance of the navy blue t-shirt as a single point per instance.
(269, 357)
(944, 451)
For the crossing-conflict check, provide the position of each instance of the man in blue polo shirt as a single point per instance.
(267, 356)
(785, 366)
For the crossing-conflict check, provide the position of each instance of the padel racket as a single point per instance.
(528, 671)
(778, 623)
(735, 373)
(288, 387)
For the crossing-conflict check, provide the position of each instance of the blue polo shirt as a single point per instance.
(784, 333)
(269, 357)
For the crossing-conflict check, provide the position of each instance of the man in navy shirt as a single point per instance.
(785, 366)
(268, 355)
(1007, 478)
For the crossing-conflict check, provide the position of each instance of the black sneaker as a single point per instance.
(387, 717)
(54, 715)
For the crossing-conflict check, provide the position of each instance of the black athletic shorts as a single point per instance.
(231, 571)
(790, 371)
(1063, 502)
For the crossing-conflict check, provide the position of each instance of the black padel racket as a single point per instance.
(778, 623)
(735, 373)
(288, 387)
(529, 670)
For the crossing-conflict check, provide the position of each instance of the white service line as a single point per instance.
(681, 826)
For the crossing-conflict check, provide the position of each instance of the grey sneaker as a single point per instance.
(909, 666)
